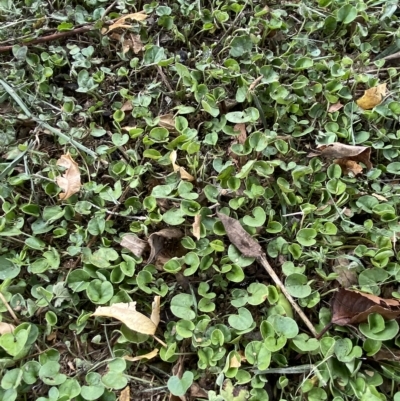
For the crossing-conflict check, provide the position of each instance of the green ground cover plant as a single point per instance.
(130, 131)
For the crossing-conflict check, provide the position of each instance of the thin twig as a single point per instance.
(263, 261)
(50, 38)
(6, 304)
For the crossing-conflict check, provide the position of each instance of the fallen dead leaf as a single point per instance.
(134, 320)
(149, 355)
(125, 394)
(184, 174)
(157, 241)
(70, 181)
(353, 307)
(372, 97)
(167, 121)
(341, 151)
(155, 311)
(127, 106)
(240, 237)
(198, 392)
(234, 362)
(196, 226)
(120, 23)
(349, 166)
(6, 328)
(241, 139)
(52, 336)
(346, 276)
(136, 245)
(379, 197)
(241, 128)
(335, 107)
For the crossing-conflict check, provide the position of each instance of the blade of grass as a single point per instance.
(55, 131)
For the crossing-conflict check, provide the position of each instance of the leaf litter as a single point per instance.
(372, 97)
(353, 307)
(70, 181)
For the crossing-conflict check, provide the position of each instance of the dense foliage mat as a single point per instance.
(128, 128)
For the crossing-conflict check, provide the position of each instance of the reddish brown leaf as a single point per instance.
(240, 237)
(353, 307)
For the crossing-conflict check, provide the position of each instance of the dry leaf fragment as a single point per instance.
(240, 237)
(120, 23)
(198, 392)
(337, 150)
(234, 362)
(127, 314)
(379, 197)
(241, 128)
(349, 166)
(137, 44)
(155, 310)
(335, 107)
(70, 181)
(127, 106)
(197, 226)
(136, 245)
(125, 394)
(167, 121)
(353, 307)
(184, 174)
(346, 275)
(6, 328)
(149, 355)
(372, 97)
(158, 239)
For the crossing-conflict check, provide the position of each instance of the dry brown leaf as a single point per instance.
(6, 328)
(149, 355)
(196, 226)
(240, 237)
(120, 23)
(339, 150)
(372, 97)
(134, 43)
(198, 392)
(128, 128)
(125, 394)
(335, 107)
(234, 362)
(127, 106)
(155, 310)
(346, 276)
(136, 245)
(127, 314)
(379, 197)
(241, 128)
(70, 181)
(167, 121)
(184, 174)
(349, 166)
(157, 241)
(353, 307)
